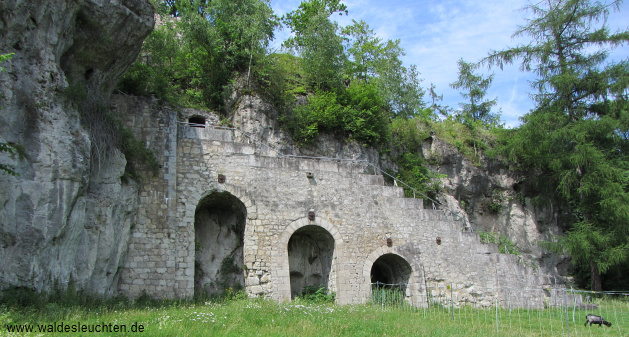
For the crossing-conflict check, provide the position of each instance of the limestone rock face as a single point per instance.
(66, 216)
(259, 119)
(490, 198)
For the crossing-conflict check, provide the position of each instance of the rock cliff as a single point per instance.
(66, 215)
(492, 198)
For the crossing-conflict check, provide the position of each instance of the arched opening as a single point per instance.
(219, 228)
(196, 121)
(390, 275)
(391, 270)
(310, 253)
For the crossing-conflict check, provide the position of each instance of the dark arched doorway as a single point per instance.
(391, 270)
(310, 253)
(219, 227)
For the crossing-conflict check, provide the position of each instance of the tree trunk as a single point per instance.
(597, 284)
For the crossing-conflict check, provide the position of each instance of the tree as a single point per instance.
(196, 54)
(374, 61)
(300, 20)
(321, 50)
(318, 43)
(435, 106)
(475, 88)
(364, 49)
(576, 138)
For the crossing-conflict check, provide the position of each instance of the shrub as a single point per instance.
(505, 245)
(356, 113)
(414, 172)
(318, 294)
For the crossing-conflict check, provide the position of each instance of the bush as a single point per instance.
(505, 245)
(414, 172)
(357, 113)
(318, 294)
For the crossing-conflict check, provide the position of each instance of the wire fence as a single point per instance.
(548, 311)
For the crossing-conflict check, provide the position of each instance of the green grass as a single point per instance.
(248, 317)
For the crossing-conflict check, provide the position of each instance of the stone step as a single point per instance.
(412, 203)
(307, 164)
(353, 170)
(371, 179)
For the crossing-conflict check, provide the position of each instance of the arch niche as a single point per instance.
(219, 227)
(391, 270)
(310, 256)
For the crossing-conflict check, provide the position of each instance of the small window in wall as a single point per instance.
(196, 121)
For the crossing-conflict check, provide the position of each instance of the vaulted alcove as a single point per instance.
(310, 255)
(219, 227)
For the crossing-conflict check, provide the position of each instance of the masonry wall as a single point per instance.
(358, 211)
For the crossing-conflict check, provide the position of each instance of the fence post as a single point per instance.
(565, 303)
(384, 298)
(497, 331)
(451, 302)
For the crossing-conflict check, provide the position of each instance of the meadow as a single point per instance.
(257, 317)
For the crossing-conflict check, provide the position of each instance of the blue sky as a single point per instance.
(436, 34)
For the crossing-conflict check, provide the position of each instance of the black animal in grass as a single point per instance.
(593, 319)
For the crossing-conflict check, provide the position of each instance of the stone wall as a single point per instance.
(365, 220)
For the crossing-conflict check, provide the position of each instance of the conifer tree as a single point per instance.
(576, 138)
(474, 89)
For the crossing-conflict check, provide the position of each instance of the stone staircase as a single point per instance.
(221, 140)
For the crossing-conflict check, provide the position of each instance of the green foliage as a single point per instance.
(192, 59)
(365, 117)
(323, 58)
(136, 154)
(301, 19)
(279, 79)
(408, 133)
(161, 68)
(374, 61)
(505, 245)
(316, 294)
(475, 88)
(577, 134)
(471, 140)
(496, 203)
(12, 149)
(414, 172)
(357, 114)
(5, 57)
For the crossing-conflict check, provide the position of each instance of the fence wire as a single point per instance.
(547, 311)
